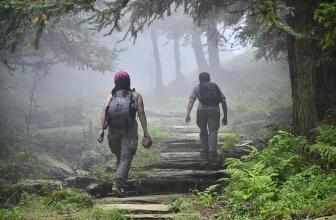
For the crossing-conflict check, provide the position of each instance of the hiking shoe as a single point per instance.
(119, 191)
(119, 188)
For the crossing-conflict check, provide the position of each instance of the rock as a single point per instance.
(333, 217)
(174, 181)
(80, 172)
(162, 216)
(100, 190)
(81, 182)
(242, 149)
(136, 208)
(183, 160)
(151, 216)
(163, 199)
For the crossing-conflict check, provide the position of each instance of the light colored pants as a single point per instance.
(208, 120)
(123, 145)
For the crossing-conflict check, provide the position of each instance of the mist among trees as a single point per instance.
(274, 60)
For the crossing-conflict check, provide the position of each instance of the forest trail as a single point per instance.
(179, 171)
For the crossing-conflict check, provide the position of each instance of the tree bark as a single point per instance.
(177, 56)
(199, 52)
(157, 60)
(213, 41)
(326, 89)
(302, 67)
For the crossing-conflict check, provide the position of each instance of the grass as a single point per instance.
(197, 206)
(61, 205)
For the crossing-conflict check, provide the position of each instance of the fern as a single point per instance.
(289, 179)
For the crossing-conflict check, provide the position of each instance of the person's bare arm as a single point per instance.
(191, 103)
(104, 119)
(142, 116)
(189, 108)
(224, 107)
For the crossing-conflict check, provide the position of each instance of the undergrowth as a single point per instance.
(290, 179)
(66, 204)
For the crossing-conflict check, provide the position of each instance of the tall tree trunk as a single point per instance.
(177, 56)
(157, 60)
(326, 89)
(302, 66)
(213, 41)
(199, 52)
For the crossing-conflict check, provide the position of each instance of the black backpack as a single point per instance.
(209, 94)
(121, 110)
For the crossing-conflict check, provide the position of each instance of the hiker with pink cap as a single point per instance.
(119, 117)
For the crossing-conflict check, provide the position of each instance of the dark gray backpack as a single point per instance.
(121, 110)
(209, 94)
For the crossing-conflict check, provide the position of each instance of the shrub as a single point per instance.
(289, 179)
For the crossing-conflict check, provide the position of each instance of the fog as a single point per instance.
(241, 75)
(57, 105)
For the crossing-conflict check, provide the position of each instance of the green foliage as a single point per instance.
(182, 204)
(230, 139)
(325, 147)
(98, 214)
(325, 15)
(11, 214)
(187, 217)
(67, 204)
(69, 199)
(19, 17)
(207, 198)
(285, 180)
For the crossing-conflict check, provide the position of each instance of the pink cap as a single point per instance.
(121, 75)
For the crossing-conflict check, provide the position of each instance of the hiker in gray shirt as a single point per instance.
(209, 96)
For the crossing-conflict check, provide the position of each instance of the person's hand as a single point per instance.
(224, 121)
(187, 119)
(147, 141)
(101, 137)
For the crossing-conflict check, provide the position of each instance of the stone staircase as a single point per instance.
(179, 171)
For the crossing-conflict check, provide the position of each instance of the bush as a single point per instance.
(289, 179)
(230, 139)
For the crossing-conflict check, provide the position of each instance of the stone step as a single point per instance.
(183, 160)
(162, 216)
(156, 199)
(164, 181)
(181, 147)
(333, 217)
(189, 165)
(175, 181)
(188, 145)
(151, 216)
(136, 208)
(180, 156)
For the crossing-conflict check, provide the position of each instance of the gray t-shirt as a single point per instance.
(196, 94)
